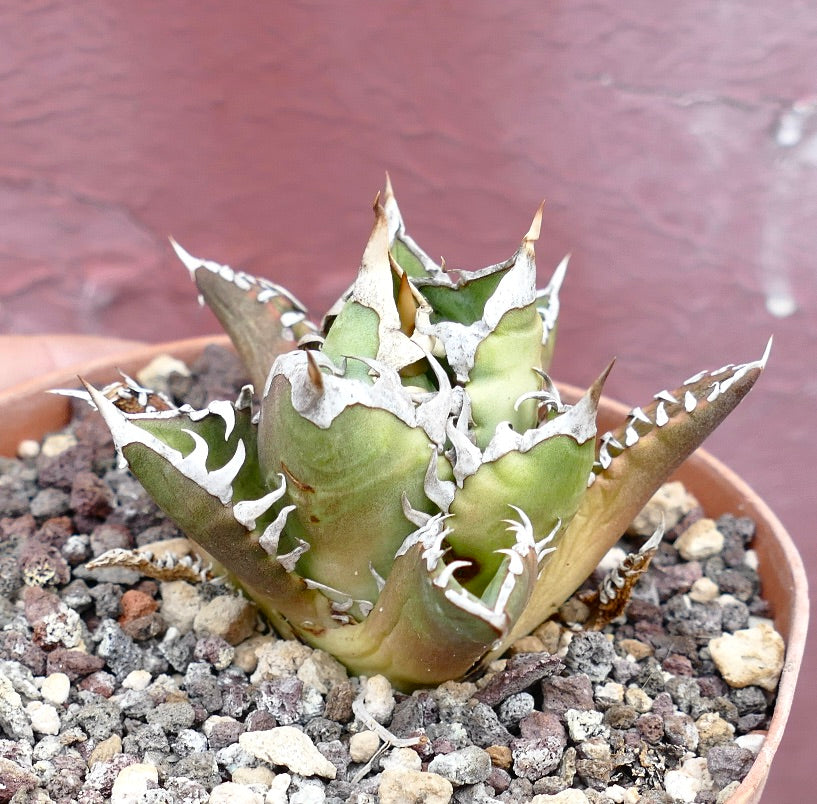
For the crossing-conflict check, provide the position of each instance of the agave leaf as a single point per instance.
(199, 467)
(352, 518)
(425, 627)
(370, 320)
(633, 462)
(463, 301)
(405, 251)
(548, 308)
(542, 472)
(503, 371)
(262, 318)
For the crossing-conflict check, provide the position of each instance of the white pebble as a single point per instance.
(751, 742)
(232, 793)
(752, 656)
(700, 540)
(44, 717)
(258, 776)
(704, 590)
(402, 758)
(610, 693)
(685, 783)
(667, 506)
(277, 793)
(132, 782)
(279, 659)
(137, 680)
(401, 786)
(321, 671)
(55, 688)
(286, 745)
(638, 699)
(28, 448)
(625, 795)
(156, 373)
(56, 444)
(378, 698)
(565, 797)
(362, 745)
(750, 559)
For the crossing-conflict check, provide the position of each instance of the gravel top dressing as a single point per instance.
(116, 687)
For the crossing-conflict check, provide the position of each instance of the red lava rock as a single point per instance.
(561, 694)
(677, 665)
(90, 495)
(728, 762)
(662, 705)
(14, 779)
(649, 632)
(55, 531)
(260, 720)
(38, 603)
(676, 579)
(61, 470)
(638, 610)
(42, 564)
(148, 586)
(17, 647)
(145, 627)
(686, 521)
(17, 527)
(74, 663)
(100, 682)
(539, 725)
(499, 779)
(339, 702)
(92, 431)
(650, 726)
(136, 604)
(213, 650)
(443, 745)
(109, 537)
(712, 686)
(521, 671)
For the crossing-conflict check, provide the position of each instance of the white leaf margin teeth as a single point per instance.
(431, 535)
(243, 281)
(272, 533)
(218, 482)
(247, 511)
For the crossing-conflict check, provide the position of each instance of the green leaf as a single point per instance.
(547, 481)
(347, 481)
(632, 463)
(201, 486)
(463, 301)
(504, 370)
(425, 628)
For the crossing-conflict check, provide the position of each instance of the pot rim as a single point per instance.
(704, 475)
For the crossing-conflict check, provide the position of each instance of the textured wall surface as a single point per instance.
(677, 149)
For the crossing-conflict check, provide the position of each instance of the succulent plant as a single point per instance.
(413, 494)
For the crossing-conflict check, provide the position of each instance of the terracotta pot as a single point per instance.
(28, 412)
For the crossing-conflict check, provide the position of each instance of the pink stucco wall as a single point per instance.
(676, 145)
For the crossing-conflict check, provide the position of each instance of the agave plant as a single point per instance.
(413, 494)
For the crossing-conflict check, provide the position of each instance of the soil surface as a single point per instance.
(118, 687)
